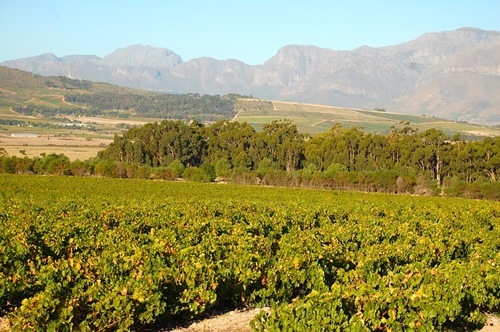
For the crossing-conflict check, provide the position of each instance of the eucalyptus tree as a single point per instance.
(281, 142)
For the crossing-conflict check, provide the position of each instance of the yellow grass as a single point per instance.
(72, 146)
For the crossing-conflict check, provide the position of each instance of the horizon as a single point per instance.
(248, 32)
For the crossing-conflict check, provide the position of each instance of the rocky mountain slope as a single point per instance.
(455, 74)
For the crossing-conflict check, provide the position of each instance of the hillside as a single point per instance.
(29, 94)
(106, 108)
(314, 119)
(453, 75)
(20, 89)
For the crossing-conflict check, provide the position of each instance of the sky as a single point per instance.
(250, 31)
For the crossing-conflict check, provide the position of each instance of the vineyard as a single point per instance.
(101, 254)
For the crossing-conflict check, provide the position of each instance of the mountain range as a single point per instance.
(452, 74)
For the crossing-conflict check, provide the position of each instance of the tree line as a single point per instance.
(164, 106)
(404, 161)
(49, 112)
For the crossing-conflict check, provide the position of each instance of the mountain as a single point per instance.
(453, 74)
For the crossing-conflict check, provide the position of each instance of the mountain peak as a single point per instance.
(143, 55)
(297, 55)
(477, 30)
(45, 57)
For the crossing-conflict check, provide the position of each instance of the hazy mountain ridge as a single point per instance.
(454, 74)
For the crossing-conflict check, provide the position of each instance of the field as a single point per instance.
(314, 119)
(116, 254)
(74, 147)
(81, 143)
(76, 136)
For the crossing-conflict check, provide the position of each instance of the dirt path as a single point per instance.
(239, 321)
(63, 99)
(492, 324)
(319, 122)
(236, 116)
(108, 121)
(7, 91)
(233, 321)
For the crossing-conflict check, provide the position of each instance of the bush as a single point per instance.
(105, 167)
(164, 173)
(8, 165)
(222, 168)
(143, 172)
(476, 190)
(196, 174)
(80, 168)
(57, 164)
(177, 168)
(491, 190)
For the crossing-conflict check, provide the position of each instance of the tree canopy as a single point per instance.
(405, 160)
(430, 154)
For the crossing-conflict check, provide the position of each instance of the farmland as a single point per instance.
(314, 119)
(118, 254)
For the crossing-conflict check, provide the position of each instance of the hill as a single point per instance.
(30, 94)
(61, 101)
(21, 89)
(78, 117)
(314, 119)
(453, 75)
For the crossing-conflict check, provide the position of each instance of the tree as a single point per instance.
(281, 142)
(9, 165)
(489, 157)
(158, 144)
(57, 164)
(432, 153)
(226, 141)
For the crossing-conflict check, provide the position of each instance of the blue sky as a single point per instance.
(250, 31)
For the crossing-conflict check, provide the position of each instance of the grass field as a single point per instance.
(74, 147)
(314, 119)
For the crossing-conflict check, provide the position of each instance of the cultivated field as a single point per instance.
(74, 147)
(117, 254)
(315, 119)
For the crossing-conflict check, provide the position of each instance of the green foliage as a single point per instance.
(8, 165)
(43, 111)
(177, 168)
(198, 174)
(164, 106)
(404, 161)
(114, 254)
(55, 164)
(222, 168)
(68, 83)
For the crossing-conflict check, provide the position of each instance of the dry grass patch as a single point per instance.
(73, 147)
